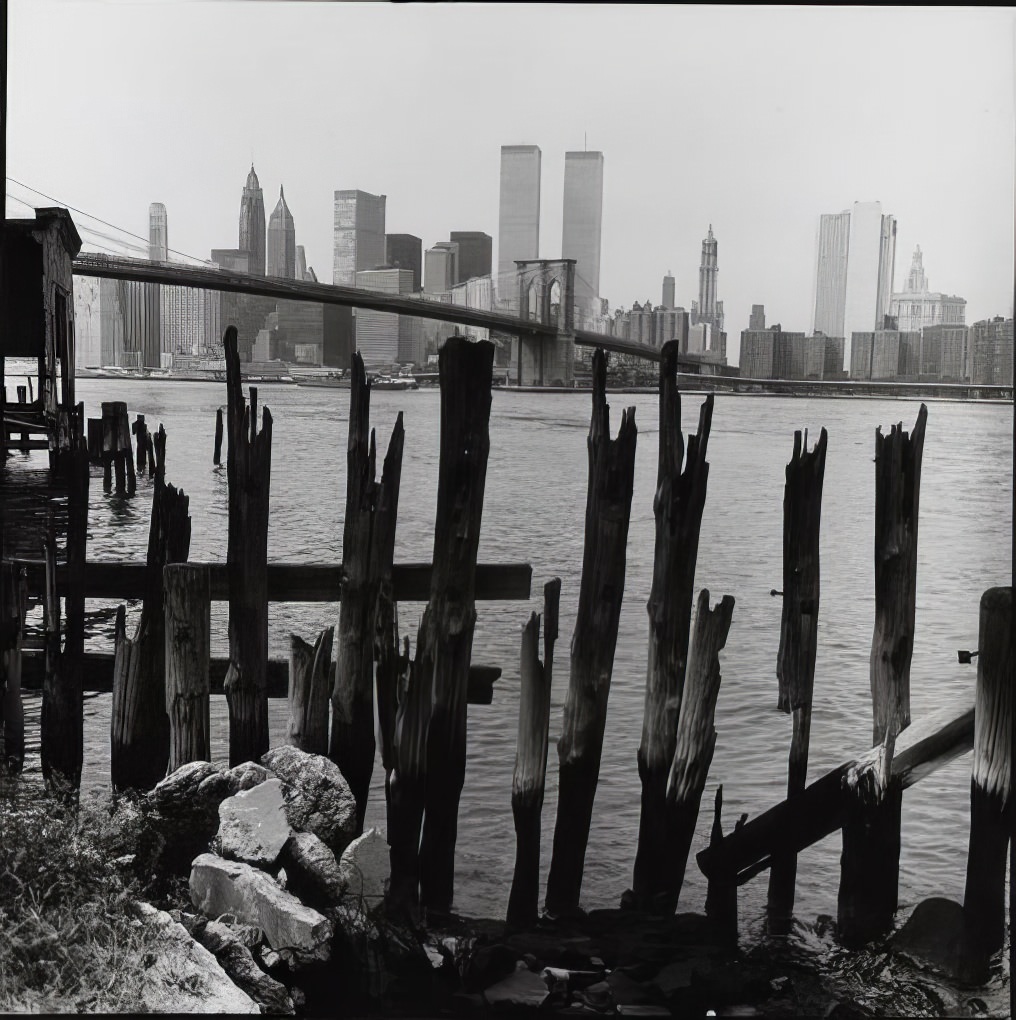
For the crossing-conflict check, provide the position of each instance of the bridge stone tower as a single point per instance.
(546, 289)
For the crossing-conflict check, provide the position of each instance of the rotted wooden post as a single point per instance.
(721, 893)
(795, 663)
(309, 689)
(696, 737)
(13, 604)
(608, 510)
(678, 505)
(217, 454)
(991, 800)
(138, 428)
(351, 744)
(529, 778)
(870, 863)
(187, 594)
(466, 370)
(248, 469)
(139, 725)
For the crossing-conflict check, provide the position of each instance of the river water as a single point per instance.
(533, 511)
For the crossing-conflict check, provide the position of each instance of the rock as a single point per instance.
(184, 977)
(675, 977)
(318, 799)
(221, 887)
(490, 964)
(253, 825)
(628, 992)
(247, 775)
(522, 988)
(933, 935)
(597, 996)
(365, 870)
(313, 871)
(236, 959)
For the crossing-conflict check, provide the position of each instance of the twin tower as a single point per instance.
(519, 213)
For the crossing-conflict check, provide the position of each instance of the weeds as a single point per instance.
(69, 941)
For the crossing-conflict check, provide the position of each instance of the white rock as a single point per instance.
(253, 825)
(365, 868)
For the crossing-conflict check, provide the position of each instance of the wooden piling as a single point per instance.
(150, 448)
(139, 725)
(608, 510)
(22, 399)
(248, 467)
(466, 370)
(117, 453)
(217, 454)
(721, 892)
(696, 737)
(351, 744)
(309, 689)
(138, 428)
(795, 662)
(529, 777)
(13, 603)
(869, 866)
(95, 440)
(187, 596)
(678, 505)
(991, 801)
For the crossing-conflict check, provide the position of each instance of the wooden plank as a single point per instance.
(287, 582)
(922, 748)
(98, 675)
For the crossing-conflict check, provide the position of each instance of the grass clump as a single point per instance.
(69, 939)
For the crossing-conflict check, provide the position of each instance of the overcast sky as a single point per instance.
(755, 120)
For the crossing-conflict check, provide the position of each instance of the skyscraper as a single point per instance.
(475, 251)
(405, 251)
(915, 307)
(301, 262)
(706, 308)
(518, 226)
(252, 223)
(158, 233)
(668, 290)
(358, 235)
(757, 320)
(854, 271)
(583, 219)
(281, 241)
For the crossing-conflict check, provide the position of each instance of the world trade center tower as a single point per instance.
(583, 219)
(518, 235)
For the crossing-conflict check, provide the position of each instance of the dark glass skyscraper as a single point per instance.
(252, 224)
(281, 241)
(475, 253)
(405, 251)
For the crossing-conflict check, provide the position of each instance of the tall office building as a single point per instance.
(475, 253)
(757, 320)
(668, 290)
(358, 235)
(405, 251)
(916, 307)
(583, 219)
(854, 271)
(518, 222)
(440, 268)
(252, 224)
(158, 233)
(281, 260)
(301, 262)
(381, 337)
(708, 309)
(991, 352)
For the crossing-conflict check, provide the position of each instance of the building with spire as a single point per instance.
(252, 224)
(915, 307)
(281, 257)
(707, 309)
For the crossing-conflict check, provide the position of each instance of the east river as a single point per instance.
(533, 511)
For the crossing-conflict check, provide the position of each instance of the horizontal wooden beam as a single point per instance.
(793, 825)
(97, 675)
(289, 582)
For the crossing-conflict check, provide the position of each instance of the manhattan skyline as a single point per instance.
(791, 126)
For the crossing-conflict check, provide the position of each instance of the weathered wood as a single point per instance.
(991, 800)
(309, 689)
(351, 745)
(869, 866)
(248, 468)
(795, 663)
(95, 440)
(608, 510)
(790, 827)
(530, 775)
(289, 582)
(466, 371)
(188, 637)
(696, 737)
(138, 428)
(678, 505)
(721, 893)
(13, 603)
(139, 725)
(217, 453)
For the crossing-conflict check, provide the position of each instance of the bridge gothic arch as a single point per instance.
(546, 290)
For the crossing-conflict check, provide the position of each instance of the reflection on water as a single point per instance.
(533, 511)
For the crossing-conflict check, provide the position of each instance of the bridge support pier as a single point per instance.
(543, 362)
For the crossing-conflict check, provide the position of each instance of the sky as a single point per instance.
(755, 120)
